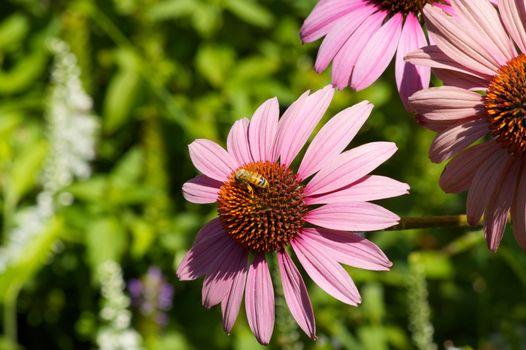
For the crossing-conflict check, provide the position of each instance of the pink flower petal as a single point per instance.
(339, 34)
(496, 213)
(322, 18)
(210, 231)
(326, 272)
(482, 18)
(484, 184)
(518, 211)
(333, 138)
(459, 173)
(212, 160)
(291, 113)
(262, 130)
(456, 138)
(237, 143)
(432, 56)
(410, 78)
(345, 60)
(348, 248)
(513, 15)
(210, 240)
(349, 167)
(296, 295)
(231, 304)
(201, 189)
(214, 290)
(377, 54)
(357, 216)
(458, 41)
(368, 188)
(435, 125)
(218, 283)
(295, 127)
(461, 80)
(447, 103)
(259, 300)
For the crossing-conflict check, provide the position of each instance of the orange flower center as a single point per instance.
(505, 104)
(261, 206)
(402, 6)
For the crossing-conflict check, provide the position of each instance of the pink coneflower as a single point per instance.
(485, 77)
(362, 36)
(264, 206)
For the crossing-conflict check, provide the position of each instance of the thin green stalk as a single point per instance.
(10, 317)
(410, 222)
(419, 309)
(289, 336)
(10, 310)
(9, 206)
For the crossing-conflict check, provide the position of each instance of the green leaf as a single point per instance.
(105, 240)
(171, 9)
(6, 344)
(206, 18)
(125, 195)
(254, 67)
(373, 302)
(214, 63)
(436, 265)
(126, 7)
(143, 236)
(173, 340)
(251, 12)
(122, 92)
(92, 190)
(35, 256)
(372, 337)
(130, 167)
(183, 228)
(13, 30)
(25, 170)
(245, 340)
(8, 123)
(24, 73)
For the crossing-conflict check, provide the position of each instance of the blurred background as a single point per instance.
(98, 102)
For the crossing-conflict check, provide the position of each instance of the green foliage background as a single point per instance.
(164, 72)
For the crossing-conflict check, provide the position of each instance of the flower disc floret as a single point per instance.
(262, 219)
(402, 6)
(505, 104)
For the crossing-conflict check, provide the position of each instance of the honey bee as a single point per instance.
(251, 178)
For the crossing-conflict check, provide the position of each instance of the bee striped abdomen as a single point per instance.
(252, 178)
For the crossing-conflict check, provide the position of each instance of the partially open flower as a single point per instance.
(265, 207)
(362, 36)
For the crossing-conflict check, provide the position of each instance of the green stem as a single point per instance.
(9, 206)
(289, 336)
(10, 317)
(10, 309)
(419, 309)
(410, 222)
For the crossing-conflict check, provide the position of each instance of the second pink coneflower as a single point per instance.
(481, 57)
(265, 207)
(362, 36)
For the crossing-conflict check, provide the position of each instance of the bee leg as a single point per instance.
(250, 190)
